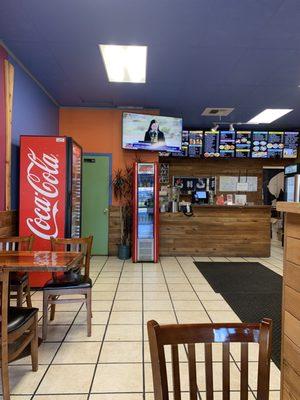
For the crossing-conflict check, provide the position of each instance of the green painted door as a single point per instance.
(95, 201)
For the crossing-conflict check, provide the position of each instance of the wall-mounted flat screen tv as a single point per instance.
(151, 132)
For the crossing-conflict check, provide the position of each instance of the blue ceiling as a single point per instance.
(201, 53)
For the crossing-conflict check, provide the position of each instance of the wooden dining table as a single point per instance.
(39, 261)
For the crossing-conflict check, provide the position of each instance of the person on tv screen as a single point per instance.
(154, 135)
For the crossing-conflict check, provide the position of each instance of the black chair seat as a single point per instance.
(17, 278)
(65, 282)
(18, 316)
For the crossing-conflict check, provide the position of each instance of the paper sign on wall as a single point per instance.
(242, 187)
(228, 183)
(238, 184)
(251, 181)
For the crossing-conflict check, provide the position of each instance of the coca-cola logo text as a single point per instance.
(42, 175)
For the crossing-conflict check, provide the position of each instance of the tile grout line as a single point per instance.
(61, 342)
(105, 331)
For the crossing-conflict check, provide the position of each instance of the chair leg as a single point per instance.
(19, 296)
(5, 376)
(34, 346)
(28, 297)
(52, 309)
(45, 315)
(89, 312)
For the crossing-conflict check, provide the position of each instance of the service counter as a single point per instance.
(290, 345)
(233, 231)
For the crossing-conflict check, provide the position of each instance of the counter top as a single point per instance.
(227, 206)
(288, 207)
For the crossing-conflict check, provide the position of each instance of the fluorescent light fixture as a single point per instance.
(124, 63)
(269, 115)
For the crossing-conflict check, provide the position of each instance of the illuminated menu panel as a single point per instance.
(275, 144)
(211, 144)
(291, 140)
(227, 143)
(195, 143)
(259, 144)
(184, 146)
(243, 144)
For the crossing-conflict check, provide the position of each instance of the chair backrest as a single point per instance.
(83, 245)
(208, 334)
(16, 243)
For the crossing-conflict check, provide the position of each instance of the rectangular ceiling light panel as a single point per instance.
(269, 115)
(125, 63)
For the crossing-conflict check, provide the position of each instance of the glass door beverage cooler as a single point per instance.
(50, 192)
(145, 212)
(292, 183)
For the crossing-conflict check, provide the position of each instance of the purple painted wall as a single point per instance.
(33, 114)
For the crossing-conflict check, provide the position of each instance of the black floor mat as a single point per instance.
(252, 291)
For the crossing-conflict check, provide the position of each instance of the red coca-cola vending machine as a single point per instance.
(50, 192)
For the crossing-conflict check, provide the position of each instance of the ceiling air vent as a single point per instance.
(217, 112)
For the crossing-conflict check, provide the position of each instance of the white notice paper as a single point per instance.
(228, 183)
(242, 187)
(251, 181)
(240, 199)
(238, 184)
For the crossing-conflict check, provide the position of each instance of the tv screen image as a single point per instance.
(151, 132)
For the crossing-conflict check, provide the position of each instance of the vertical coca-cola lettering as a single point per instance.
(42, 176)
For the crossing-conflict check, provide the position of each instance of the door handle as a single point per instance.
(105, 210)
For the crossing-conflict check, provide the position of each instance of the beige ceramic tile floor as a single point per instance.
(114, 364)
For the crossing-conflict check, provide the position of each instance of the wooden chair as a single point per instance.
(191, 334)
(18, 281)
(18, 330)
(72, 282)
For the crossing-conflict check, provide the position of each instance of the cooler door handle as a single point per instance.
(105, 210)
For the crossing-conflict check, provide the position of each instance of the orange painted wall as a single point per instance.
(100, 131)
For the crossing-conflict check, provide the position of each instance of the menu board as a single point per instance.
(211, 144)
(275, 144)
(184, 145)
(195, 143)
(227, 143)
(291, 140)
(259, 144)
(239, 144)
(243, 144)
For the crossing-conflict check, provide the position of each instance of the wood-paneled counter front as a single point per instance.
(234, 231)
(290, 348)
